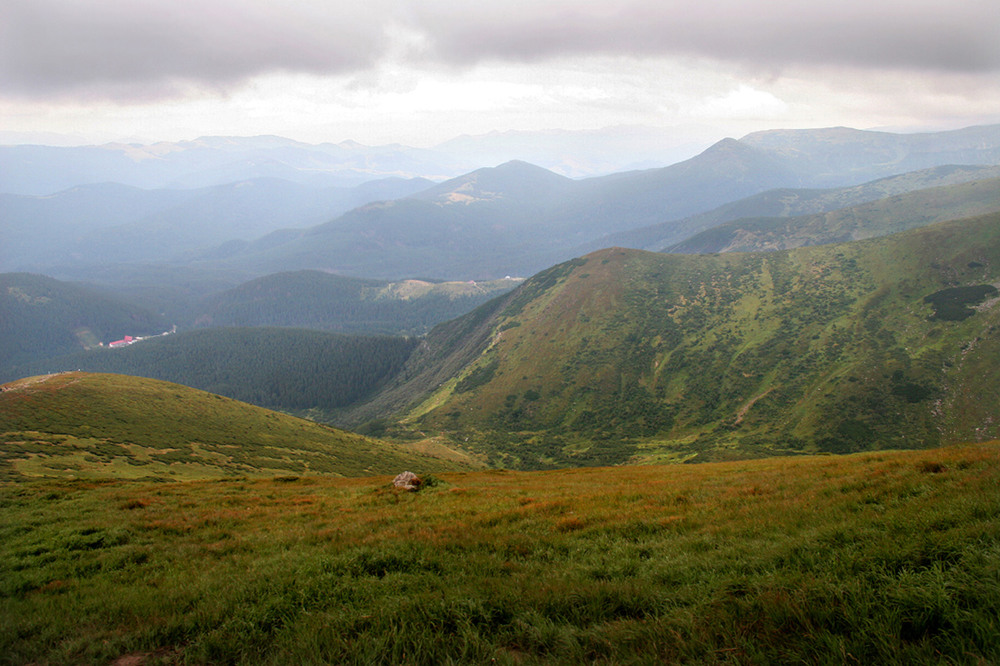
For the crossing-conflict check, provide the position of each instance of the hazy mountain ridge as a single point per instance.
(878, 218)
(527, 219)
(625, 355)
(788, 202)
(112, 223)
(516, 180)
(211, 161)
(217, 160)
(587, 153)
(516, 219)
(836, 153)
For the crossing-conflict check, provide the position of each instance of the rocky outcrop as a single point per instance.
(407, 481)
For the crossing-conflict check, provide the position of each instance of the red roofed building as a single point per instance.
(127, 340)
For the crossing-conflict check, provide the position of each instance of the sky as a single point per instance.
(419, 72)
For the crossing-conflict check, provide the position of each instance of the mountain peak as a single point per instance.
(515, 179)
(518, 164)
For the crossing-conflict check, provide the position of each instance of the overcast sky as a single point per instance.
(422, 71)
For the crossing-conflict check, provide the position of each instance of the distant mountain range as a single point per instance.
(215, 160)
(518, 218)
(211, 161)
(840, 156)
(514, 219)
(878, 218)
(842, 295)
(584, 153)
(508, 220)
(789, 202)
(113, 223)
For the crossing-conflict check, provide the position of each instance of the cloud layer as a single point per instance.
(960, 35)
(153, 48)
(56, 46)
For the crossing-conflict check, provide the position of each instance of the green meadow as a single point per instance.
(873, 558)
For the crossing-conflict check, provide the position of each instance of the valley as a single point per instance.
(811, 330)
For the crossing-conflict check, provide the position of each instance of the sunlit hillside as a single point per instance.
(95, 426)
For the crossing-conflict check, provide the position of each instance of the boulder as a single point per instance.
(407, 481)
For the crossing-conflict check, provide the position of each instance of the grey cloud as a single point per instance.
(149, 47)
(51, 46)
(961, 35)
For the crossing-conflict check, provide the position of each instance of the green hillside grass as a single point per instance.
(887, 558)
(626, 356)
(92, 426)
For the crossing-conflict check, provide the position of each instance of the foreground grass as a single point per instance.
(891, 557)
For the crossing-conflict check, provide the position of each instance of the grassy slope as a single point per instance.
(891, 557)
(79, 425)
(638, 355)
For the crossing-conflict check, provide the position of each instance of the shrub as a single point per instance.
(952, 304)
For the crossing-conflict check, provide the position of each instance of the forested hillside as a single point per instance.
(317, 300)
(41, 317)
(289, 369)
(46, 319)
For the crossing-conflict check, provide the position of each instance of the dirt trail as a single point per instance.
(746, 408)
(28, 382)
